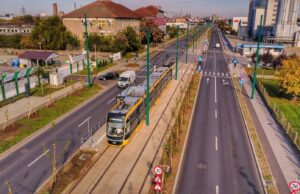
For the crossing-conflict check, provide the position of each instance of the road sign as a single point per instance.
(157, 187)
(158, 170)
(294, 186)
(157, 179)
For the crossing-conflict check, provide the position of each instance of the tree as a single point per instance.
(253, 57)
(267, 58)
(155, 33)
(288, 76)
(120, 43)
(133, 40)
(26, 42)
(52, 34)
(278, 61)
(172, 31)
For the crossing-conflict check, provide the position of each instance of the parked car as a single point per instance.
(109, 76)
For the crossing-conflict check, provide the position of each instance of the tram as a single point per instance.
(126, 117)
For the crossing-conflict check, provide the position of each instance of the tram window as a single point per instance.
(115, 128)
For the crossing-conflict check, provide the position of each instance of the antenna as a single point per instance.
(74, 5)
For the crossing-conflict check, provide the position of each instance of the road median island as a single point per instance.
(39, 118)
(263, 166)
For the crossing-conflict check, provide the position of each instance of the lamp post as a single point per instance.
(87, 51)
(257, 58)
(177, 30)
(187, 44)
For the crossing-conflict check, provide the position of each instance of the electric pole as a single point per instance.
(187, 44)
(176, 77)
(148, 80)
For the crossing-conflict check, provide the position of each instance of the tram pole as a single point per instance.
(187, 44)
(257, 58)
(148, 80)
(87, 51)
(194, 41)
(176, 77)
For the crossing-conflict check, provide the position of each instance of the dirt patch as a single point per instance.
(70, 172)
(9, 132)
(133, 65)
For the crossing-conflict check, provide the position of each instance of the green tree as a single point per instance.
(172, 31)
(120, 43)
(133, 40)
(253, 57)
(155, 33)
(10, 41)
(52, 34)
(288, 76)
(267, 58)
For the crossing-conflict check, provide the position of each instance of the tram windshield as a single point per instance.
(115, 127)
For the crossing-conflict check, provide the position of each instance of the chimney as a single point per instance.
(55, 12)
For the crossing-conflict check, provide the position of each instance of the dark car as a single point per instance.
(109, 76)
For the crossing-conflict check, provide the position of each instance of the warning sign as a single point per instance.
(157, 179)
(157, 187)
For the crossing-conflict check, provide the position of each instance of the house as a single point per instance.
(36, 58)
(153, 13)
(104, 17)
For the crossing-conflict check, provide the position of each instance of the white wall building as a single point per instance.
(237, 20)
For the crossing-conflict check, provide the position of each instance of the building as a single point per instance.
(236, 22)
(250, 49)
(104, 18)
(14, 29)
(258, 12)
(153, 13)
(36, 58)
(271, 12)
(243, 29)
(286, 24)
(214, 17)
(7, 17)
(182, 23)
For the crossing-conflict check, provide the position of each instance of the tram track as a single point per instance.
(116, 155)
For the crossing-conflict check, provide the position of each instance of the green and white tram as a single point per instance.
(126, 117)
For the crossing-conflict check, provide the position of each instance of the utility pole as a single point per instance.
(187, 44)
(87, 50)
(148, 80)
(176, 77)
(257, 58)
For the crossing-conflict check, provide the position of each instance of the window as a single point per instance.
(93, 23)
(101, 23)
(110, 23)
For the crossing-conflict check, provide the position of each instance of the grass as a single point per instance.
(38, 91)
(43, 117)
(291, 110)
(261, 71)
(95, 70)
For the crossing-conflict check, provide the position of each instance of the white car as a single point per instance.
(126, 78)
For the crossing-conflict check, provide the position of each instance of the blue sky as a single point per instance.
(226, 8)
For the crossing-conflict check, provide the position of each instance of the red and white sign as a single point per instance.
(157, 187)
(157, 179)
(158, 170)
(294, 186)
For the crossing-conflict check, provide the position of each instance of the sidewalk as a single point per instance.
(20, 108)
(273, 139)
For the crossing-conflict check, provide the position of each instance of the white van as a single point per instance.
(126, 78)
(218, 45)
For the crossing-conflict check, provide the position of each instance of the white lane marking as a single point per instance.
(217, 189)
(111, 101)
(216, 114)
(215, 89)
(216, 143)
(38, 158)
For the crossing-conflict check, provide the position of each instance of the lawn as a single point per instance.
(26, 127)
(291, 110)
(38, 91)
(262, 71)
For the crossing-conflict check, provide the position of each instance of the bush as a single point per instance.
(10, 41)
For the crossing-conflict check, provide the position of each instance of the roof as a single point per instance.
(41, 55)
(149, 11)
(103, 9)
(270, 46)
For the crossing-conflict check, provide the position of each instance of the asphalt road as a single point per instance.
(218, 157)
(28, 168)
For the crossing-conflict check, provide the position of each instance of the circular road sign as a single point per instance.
(158, 170)
(294, 186)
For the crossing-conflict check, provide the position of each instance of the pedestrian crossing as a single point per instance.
(215, 51)
(216, 74)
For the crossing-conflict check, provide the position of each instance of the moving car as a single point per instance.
(109, 76)
(126, 78)
(218, 45)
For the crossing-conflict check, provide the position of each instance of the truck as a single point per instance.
(217, 45)
(126, 78)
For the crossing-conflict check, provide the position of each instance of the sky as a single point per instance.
(227, 8)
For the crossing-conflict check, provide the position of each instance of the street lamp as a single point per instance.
(187, 43)
(87, 50)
